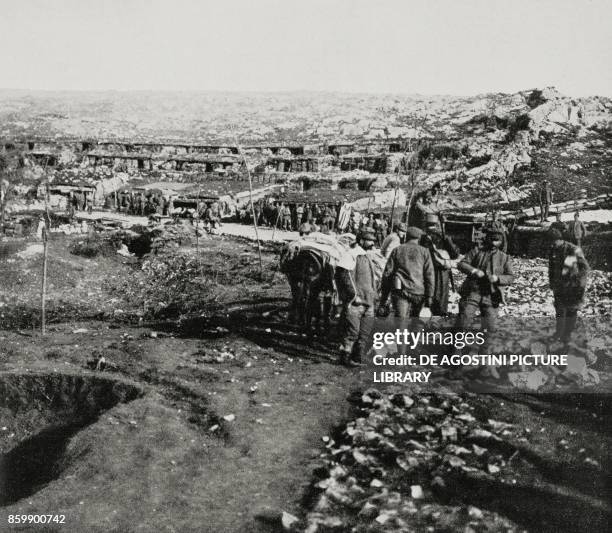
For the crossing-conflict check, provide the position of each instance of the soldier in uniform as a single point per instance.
(285, 212)
(70, 205)
(354, 223)
(299, 215)
(546, 198)
(442, 250)
(394, 239)
(567, 275)
(360, 307)
(216, 211)
(498, 226)
(139, 205)
(380, 227)
(576, 230)
(488, 270)
(329, 218)
(408, 277)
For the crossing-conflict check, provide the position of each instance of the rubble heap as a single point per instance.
(434, 463)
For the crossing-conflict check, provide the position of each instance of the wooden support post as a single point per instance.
(252, 207)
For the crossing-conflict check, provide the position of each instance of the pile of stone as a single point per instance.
(390, 468)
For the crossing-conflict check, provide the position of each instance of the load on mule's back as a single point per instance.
(310, 277)
(309, 264)
(320, 270)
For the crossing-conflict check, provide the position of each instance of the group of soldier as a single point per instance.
(79, 201)
(418, 274)
(356, 224)
(291, 216)
(313, 217)
(208, 213)
(574, 231)
(141, 205)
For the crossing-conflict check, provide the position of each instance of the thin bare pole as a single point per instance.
(45, 237)
(4, 195)
(252, 204)
(396, 188)
(412, 187)
(43, 315)
(415, 162)
(197, 226)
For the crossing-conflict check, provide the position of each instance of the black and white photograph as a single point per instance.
(305, 266)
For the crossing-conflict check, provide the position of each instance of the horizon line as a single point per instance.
(287, 91)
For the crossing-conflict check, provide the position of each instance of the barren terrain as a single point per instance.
(209, 413)
(170, 393)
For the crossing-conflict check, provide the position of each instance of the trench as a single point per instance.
(40, 413)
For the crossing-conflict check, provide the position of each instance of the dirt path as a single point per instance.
(282, 407)
(265, 234)
(227, 228)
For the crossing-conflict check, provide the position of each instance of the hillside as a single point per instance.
(484, 149)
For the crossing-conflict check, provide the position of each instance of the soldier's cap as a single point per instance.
(554, 234)
(412, 232)
(402, 227)
(368, 235)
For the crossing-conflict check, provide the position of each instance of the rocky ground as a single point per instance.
(169, 393)
(446, 462)
(480, 152)
(174, 386)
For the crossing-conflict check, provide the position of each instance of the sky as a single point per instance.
(461, 47)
